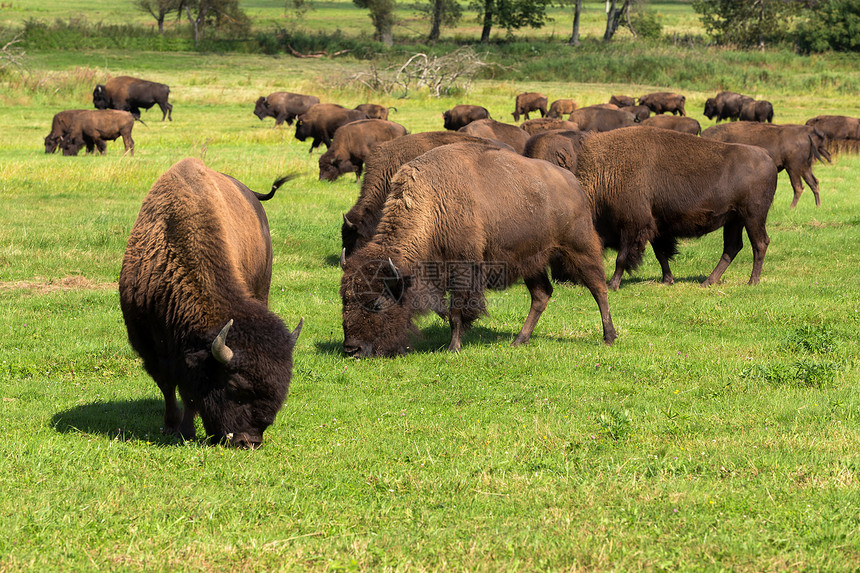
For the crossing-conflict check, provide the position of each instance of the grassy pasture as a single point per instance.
(720, 432)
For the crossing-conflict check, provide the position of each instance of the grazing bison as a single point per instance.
(664, 102)
(559, 147)
(359, 223)
(726, 105)
(456, 232)
(534, 126)
(792, 147)
(322, 120)
(757, 110)
(675, 123)
(91, 128)
(194, 291)
(836, 127)
(656, 185)
(284, 106)
(60, 127)
(461, 115)
(529, 102)
(375, 111)
(561, 107)
(131, 94)
(622, 101)
(496, 130)
(601, 119)
(353, 143)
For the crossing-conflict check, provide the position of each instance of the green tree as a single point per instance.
(832, 25)
(747, 23)
(441, 13)
(510, 14)
(382, 16)
(225, 15)
(158, 9)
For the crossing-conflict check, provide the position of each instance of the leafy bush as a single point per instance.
(647, 25)
(833, 25)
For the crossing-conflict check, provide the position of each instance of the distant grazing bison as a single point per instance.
(792, 147)
(131, 94)
(757, 110)
(491, 129)
(463, 114)
(675, 123)
(622, 101)
(194, 291)
(726, 105)
(284, 106)
(92, 128)
(60, 127)
(600, 119)
(561, 107)
(446, 235)
(528, 102)
(352, 145)
(375, 111)
(664, 102)
(322, 120)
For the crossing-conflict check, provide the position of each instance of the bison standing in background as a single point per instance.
(561, 107)
(463, 114)
(374, 111)
(675, 123)
(664, 102)
(92, 128)
(131, 94)
(352, 145)
(600, 119)
(60, 126)
(454, 232)
(496, 130)
(726, 105)
(792, 147)
(842, 132)
(322, 120)
(622, 101)
(194, 292)
(757, 110)
(529, 102)
(284, 106)
(534, 126)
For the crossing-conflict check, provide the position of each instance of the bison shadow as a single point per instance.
(126, 420)
(333, 260)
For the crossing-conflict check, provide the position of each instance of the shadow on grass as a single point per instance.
(129, 420)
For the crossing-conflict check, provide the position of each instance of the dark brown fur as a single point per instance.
(528, 102)
(664, 102)
(725, 105)
(509, 134)
(60, 126)
(836, 126)
(792, 147)
(91, 128)
(675, 123)
(462, 115)
(352, 145)
(375, 111)
(561, 107)
(284, 106)
(534, 126)
(640, 112)
(322, 120)
(622, 101)
(200, 256)
(131, 94)
(600, 119)
(559, 147)
(497, 217)
(757, 110)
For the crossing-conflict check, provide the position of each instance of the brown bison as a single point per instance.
(664, 102)
(757, 110)
(534, 126)
(622, 101)
(60, 127)
(559, 147)
(453, 233)
(131, 94)
(640, 112)
(353, 143)
(194, 291)
(375, 111)
(284, 106)
(561, 107)
(675, 123)
(726, 105)
(835, 127)
(600, 119)
(792, 147)
(463, 114)
(529, 102)
(359, 223)
(92, 128)
(322, 120)
(491, 129)
(655, 185)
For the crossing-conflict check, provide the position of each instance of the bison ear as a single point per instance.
(220, 350)
(295, 333)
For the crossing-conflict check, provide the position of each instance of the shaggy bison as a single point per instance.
(352, 144)
(322, 120)
(836, 127)
(534, 126)
(284, 106)
(792, 147)
(92, 128)
(561, 107)
(454, 233)
(600, 119)
(675, 123)
(726, 105)
(462, 115)
(194, 291)
(757, 110)
(622, 101)
(664, 102)
(528, 102)
(374, 111)
(559, 147)
(496, 130)
(60, 127)
(131, 94)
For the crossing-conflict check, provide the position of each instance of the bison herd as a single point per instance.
(441, 216)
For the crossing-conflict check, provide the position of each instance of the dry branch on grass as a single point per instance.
(11, 54)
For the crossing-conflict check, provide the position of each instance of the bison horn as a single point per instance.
(220, 350)
(298, 330)
(393, 269)
(349, 224)
(343, 257)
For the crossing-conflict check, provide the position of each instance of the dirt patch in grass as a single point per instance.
(40, 286)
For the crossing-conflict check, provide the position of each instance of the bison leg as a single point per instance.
(759, 241)
(630, 250)
(732, 244)
(664, 249)
(128, 142)
(540, 290)
(797, 185)
(166, 111)
(813, 184)
(588, 269)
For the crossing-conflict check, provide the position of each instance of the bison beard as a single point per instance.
(194, 290)
(462, 218)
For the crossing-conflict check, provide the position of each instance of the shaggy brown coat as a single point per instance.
(534, 126)
(675, 123)
(561, 107)
(622, 101)
(131, 94)
(792, 147)
(200, 257)
(374, 110)
(495, 218)
(835, 127)
(760, 110)
(509, 134)
(284, 106)
(462, 115)
(60, 126)
(529, 102)
(352, 145)
(600, 119)
(664, 102)
(322, 120)
(92, 128)
(559, 147)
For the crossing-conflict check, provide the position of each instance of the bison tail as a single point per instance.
(140, 120)
(275, 186)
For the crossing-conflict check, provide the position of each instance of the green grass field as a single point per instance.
(720, 432)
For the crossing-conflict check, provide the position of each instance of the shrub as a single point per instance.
(832, 25)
